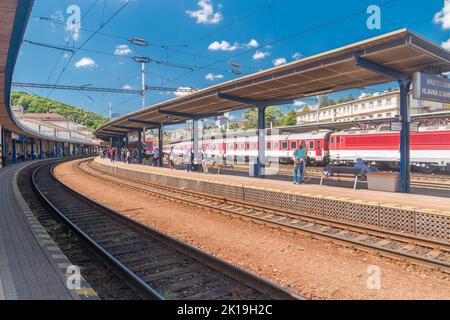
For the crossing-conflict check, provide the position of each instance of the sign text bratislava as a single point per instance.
(431, 87)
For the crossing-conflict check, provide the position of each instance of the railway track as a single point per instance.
(419, 251)
(153, 264)
(108, 285)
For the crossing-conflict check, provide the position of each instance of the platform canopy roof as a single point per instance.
(332, 71)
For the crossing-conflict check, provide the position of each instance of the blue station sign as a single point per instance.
(431, 87)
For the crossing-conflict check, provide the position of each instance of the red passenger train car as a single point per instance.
(430, 147)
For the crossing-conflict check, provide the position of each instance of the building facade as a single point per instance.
(376, 106)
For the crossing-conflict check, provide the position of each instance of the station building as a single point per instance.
(373, 106)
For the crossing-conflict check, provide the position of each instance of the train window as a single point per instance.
(332, 139)
(276, 145)
(311, 145)
(319, 145)
(293, 145)
(284, 145)
(247, 146)
(241, 146)
(269, 146)
(254, 146)
(338, 139)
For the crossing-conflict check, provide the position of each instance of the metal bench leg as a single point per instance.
(356, 182)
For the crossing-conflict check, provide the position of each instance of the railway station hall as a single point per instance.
(221, 153)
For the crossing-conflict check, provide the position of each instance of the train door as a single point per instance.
(319, 150)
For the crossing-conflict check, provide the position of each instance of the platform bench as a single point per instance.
(329, 171)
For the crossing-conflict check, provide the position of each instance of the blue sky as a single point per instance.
(201, 34)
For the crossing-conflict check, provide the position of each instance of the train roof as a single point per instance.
(376, 131)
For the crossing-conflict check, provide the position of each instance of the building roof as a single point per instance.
(335, 70)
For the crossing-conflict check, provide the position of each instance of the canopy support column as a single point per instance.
(32, 149)
(161, 144)
(404, 82)
(261, 161)
(195, 140)
(13, 151)
(40, 149)
(4, 147)
(261, 105)
(139, 146)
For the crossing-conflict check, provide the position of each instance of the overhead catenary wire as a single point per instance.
(67, 44)
(90, 37)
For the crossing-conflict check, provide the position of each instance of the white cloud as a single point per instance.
(443, 16)
(252, 44)
(297, 56)
(279, 61)
(446, 44)
(260, 55)
(122, 50)
(85, 62)
(211, 76)
(127, 87)
(299, 103)
(206, 14)
(222, 46)
(227, 46)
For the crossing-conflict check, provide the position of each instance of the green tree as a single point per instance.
(290, 118)
(345, 99)
(325, 101)
(273, 115)
(34, 104)
(306, 109)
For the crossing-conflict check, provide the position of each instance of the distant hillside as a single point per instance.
(35, 104)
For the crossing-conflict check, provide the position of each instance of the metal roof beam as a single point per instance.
(381, 69)
(148, 123)
(255, 103)
(189, 115)
(124, 127)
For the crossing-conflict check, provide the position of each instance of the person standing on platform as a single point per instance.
(190, 160)
(299, 159)
(171, 159)
(156, 158)
(113, 155)
(204, 156)
(305, 176)
(128, 156)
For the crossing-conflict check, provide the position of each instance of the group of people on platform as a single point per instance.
(126, 155)
(190, 160)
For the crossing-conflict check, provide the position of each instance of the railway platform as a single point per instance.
(419, 215)
(32, 267)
